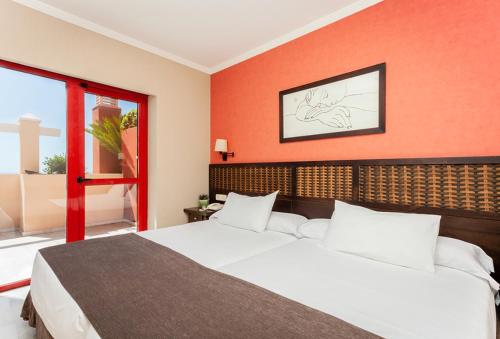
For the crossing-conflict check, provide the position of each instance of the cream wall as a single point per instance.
(179, 106)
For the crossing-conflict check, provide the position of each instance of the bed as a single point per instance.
(382, 299)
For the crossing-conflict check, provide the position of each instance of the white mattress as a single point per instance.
(391, 301)
(207, 242)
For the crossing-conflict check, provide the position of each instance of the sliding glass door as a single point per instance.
(32, 170)
(73, 165)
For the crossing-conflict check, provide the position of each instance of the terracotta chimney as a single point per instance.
(103, 160)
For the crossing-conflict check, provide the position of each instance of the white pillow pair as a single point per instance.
(403, 239)
(242, 211)
(450, 252)
(255, 214)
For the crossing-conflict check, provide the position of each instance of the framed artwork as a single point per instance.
(344, 105)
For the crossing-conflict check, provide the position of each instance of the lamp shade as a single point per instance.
(220, 145)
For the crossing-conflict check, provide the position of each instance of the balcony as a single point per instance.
(33, 216)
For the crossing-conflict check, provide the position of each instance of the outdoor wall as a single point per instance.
(178, 106)
(105, 204)
(10, 202)
(129, 151)
(443, 84)
(43, 201)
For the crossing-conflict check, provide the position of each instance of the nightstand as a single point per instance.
(195, 214)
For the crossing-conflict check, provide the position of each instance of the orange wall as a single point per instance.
(443, 84)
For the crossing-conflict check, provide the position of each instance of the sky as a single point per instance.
(22, 93)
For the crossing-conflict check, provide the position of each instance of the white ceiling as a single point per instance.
(208, 35)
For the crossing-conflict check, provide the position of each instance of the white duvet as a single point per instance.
(388, 300)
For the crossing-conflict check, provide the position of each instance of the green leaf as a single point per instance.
(55, 164)
(108, 132)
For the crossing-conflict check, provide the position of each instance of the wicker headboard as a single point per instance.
(465, 191)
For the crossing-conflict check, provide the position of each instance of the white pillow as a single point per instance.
(402, 239)
(285, 222)
(466, 257)
(251, 213)
(314, 228)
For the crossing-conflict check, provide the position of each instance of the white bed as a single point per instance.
(388, 300)
(206, 242)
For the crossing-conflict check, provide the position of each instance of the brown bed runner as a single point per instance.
(131, 287)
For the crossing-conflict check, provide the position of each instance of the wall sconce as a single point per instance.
(221, 147)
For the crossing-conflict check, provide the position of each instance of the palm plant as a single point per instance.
(108, 132)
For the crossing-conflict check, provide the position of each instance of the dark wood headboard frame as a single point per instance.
(464, 191)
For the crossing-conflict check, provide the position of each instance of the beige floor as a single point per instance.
(17, 252)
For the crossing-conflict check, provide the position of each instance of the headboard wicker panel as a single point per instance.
(465, 191)
(252, 179)
(473, 187)
(324, 181)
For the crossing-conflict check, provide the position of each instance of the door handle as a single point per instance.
(81, 179)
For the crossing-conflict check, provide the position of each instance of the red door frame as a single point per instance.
(75, 151)
(76, 168)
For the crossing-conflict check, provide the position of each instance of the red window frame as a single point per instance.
(75, 155)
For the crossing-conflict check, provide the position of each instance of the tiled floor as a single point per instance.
(11, 324)
(17, 253)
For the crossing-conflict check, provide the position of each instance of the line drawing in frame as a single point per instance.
(348, 104)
